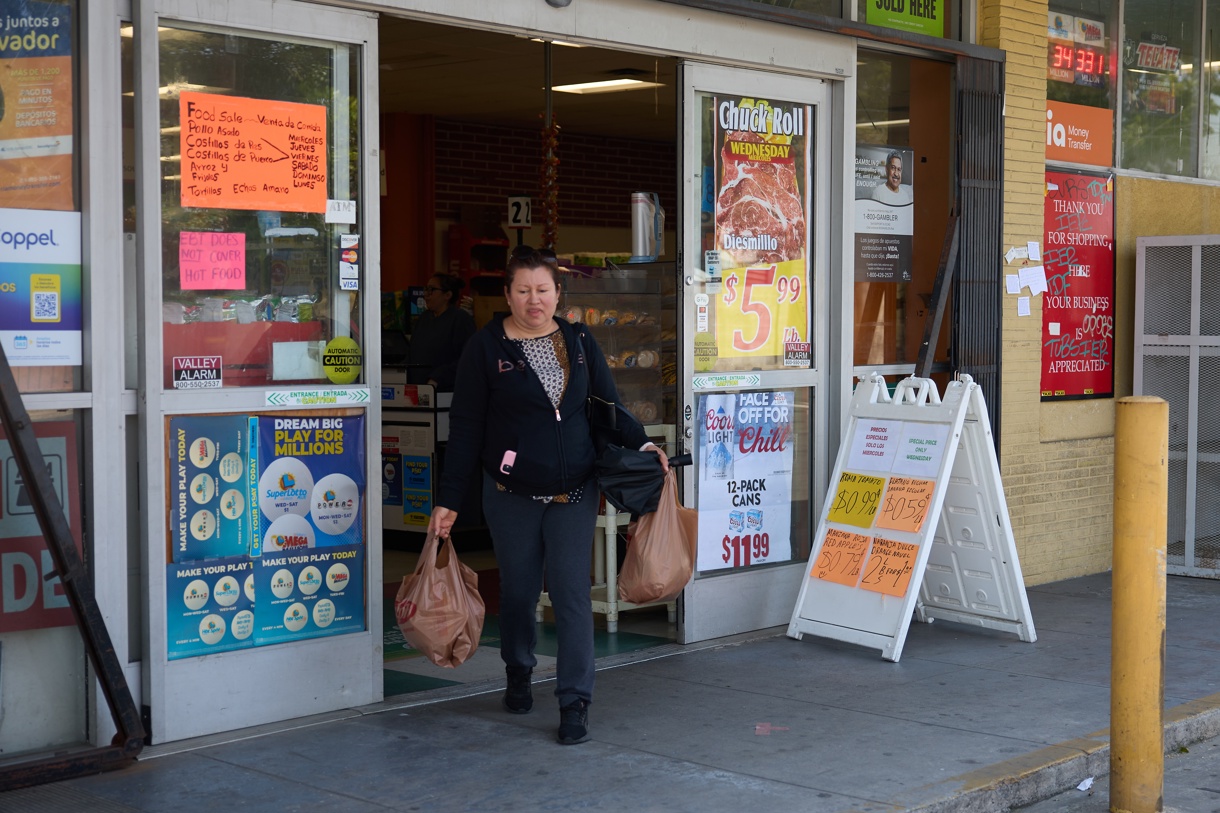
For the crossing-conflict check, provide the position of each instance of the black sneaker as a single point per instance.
(574, 722)
(519, 695)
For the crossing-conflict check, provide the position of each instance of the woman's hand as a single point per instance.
(441, 521)
(652, 447)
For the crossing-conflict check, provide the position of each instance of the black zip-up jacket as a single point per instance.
(500, 405)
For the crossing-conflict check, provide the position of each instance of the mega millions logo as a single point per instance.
(286, 541)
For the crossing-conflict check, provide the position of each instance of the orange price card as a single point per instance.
(889, 567)
(906, 504)
(855, 499)
(240, 153)
(840, 558)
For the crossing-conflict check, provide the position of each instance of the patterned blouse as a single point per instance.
(548, 358)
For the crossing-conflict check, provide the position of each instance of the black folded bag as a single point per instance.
(630, 479)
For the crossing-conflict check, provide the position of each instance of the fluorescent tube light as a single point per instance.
(607, 86)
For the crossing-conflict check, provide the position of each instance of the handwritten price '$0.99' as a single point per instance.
(745, 548)
(863, 503)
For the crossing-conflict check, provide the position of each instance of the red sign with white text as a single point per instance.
(1078, 306)
(28, 598)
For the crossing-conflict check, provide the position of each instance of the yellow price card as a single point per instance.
(855, 500)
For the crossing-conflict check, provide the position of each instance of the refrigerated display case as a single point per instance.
(630, 310)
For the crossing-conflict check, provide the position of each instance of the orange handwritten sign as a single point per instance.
(906, 504)
(889, 568)
(240, 153)
(840, 558)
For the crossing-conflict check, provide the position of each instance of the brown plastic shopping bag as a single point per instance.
(438, 607)
(660, 558)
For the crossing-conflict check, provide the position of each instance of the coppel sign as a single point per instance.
(37, 236)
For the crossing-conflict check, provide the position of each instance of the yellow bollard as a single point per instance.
(1137, 638)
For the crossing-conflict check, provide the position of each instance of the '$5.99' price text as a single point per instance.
(760, 292)
(745, 548)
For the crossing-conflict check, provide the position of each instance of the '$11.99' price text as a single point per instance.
(746, 548)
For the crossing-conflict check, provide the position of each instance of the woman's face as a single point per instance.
(532, 298)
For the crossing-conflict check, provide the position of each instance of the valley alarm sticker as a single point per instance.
(197, 372)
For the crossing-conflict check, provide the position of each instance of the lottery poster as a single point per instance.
(311, 482)
(308, 593)
(745, 450)
(761, 203)
(209, 486)
(209, 606)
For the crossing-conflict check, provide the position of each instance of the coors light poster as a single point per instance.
(1078, 306)
(761, 212)
(745, 479)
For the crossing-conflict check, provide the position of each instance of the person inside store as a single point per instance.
(439, 334)
(519, 414)
(893, 192)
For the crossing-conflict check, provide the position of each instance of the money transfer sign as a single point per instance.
(240, 153)
(745, 480)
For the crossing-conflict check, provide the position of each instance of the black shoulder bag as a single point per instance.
(631, 480)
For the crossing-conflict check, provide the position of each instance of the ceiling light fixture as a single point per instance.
(607, 86)
(564, 43)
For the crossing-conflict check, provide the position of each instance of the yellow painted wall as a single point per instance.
(1056, 458)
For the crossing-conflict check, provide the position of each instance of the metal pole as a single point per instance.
(1137, 657)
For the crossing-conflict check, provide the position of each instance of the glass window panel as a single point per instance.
(754, 301)
(44, 704)
(257, 134)
(753, 490)
(1080, 50)
(1160, 89)
(904, 129)
(41, 308)
(1209, 159)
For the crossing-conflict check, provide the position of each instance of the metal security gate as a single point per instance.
(1177, 357)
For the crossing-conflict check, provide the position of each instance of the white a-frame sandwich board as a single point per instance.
(915, 501)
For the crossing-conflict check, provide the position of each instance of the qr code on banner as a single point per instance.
(45, 307)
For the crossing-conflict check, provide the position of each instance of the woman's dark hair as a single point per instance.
(451, 285)
(529, 257)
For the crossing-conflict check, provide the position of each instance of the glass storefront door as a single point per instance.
(254, 215)
(755, 192)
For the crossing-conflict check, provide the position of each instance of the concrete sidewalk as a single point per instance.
(969, 720)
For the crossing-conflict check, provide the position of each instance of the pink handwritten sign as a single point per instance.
(212, 260)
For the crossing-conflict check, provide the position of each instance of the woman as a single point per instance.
(439, 334)
(519, 410)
